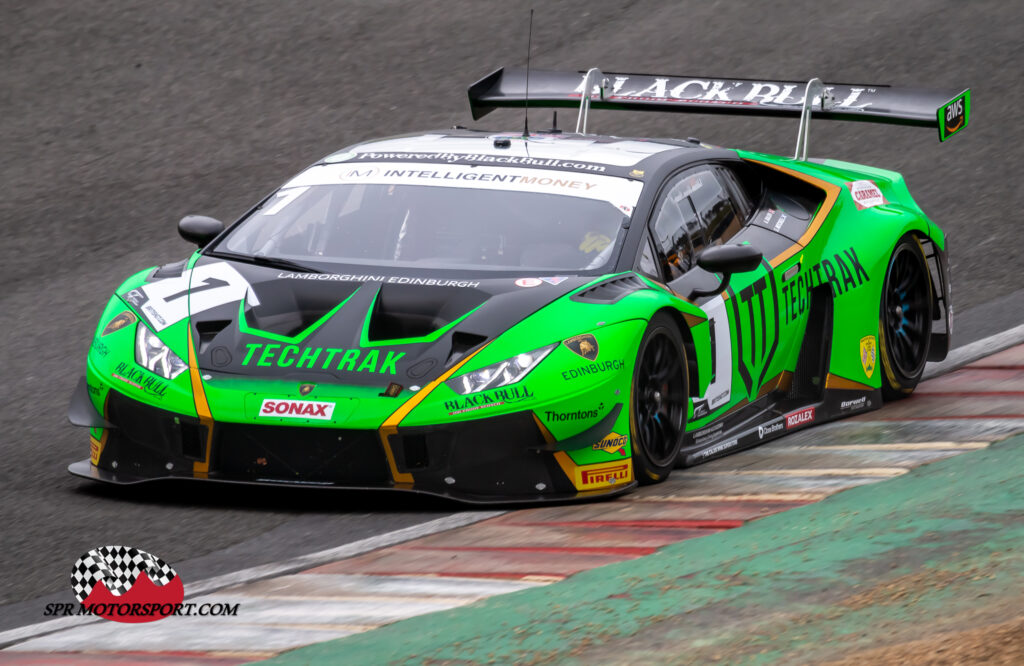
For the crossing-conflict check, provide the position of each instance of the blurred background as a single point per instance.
(117, 118)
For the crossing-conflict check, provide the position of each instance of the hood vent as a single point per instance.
(208, 330)
(169, 270)
(414, 311)
(462, 344)
(287, 310)
(611, 290)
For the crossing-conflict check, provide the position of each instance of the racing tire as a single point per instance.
(659, 400)
(905, 319)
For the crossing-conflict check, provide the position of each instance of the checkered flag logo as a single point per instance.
(118, 567)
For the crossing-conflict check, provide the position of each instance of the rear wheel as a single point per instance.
(658, 418)
(905, 320)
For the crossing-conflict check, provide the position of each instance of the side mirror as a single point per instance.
(199, 229)
(727, 259)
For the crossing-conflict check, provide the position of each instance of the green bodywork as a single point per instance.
(566, 392)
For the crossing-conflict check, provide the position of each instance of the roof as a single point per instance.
(540, 149)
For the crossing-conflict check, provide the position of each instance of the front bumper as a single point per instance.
(498, 459)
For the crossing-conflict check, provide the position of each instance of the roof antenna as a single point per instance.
(526, 97)
(554, 123)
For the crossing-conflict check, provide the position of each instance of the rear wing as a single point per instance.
(947, 110)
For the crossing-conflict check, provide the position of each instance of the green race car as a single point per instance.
(529, 316)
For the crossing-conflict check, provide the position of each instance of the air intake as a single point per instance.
(462, 343)
(611, 290)
(413, 311)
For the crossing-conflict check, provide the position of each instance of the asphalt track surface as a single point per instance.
(117, 118)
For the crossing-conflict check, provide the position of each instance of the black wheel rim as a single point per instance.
(660, 400)
(905, 312)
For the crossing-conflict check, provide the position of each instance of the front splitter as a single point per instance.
(86, 470)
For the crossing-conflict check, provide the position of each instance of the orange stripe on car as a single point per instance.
(390, 425)
(831, 196)
(837, 382)
(200, 469)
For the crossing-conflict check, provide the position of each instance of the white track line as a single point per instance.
(902, 446)
(727, 497)
(292, 565)
(976, 351)
(807, 472)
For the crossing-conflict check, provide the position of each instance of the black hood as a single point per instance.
(361, 328)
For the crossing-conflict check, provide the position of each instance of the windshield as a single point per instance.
(441, 216)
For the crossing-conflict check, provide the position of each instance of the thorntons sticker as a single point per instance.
(866, 194)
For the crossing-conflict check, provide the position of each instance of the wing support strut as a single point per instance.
(814, 94)
(593, 78)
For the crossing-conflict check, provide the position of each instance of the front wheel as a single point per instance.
(905, 319)
(658, 415)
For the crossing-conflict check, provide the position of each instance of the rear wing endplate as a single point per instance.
(947, 110)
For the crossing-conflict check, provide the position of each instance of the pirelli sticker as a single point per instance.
(96, 449)
(597, 477)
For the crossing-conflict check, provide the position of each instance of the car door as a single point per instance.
(697, 208)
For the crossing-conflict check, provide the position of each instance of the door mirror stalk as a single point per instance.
(726, 259)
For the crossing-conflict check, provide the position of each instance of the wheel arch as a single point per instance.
(697, 346)
(942, 293)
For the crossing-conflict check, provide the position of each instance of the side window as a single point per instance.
(738, 187)
(647, 264)
(718, 218)
(675, 227)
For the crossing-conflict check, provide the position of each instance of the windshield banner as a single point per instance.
(620, 192)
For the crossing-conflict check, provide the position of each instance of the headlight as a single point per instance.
(500, 374)
(152, 354)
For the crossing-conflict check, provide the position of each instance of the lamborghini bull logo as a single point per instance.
(583, 345)
(757, 322)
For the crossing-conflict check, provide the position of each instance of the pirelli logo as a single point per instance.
(599, 476)
(609, 474)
